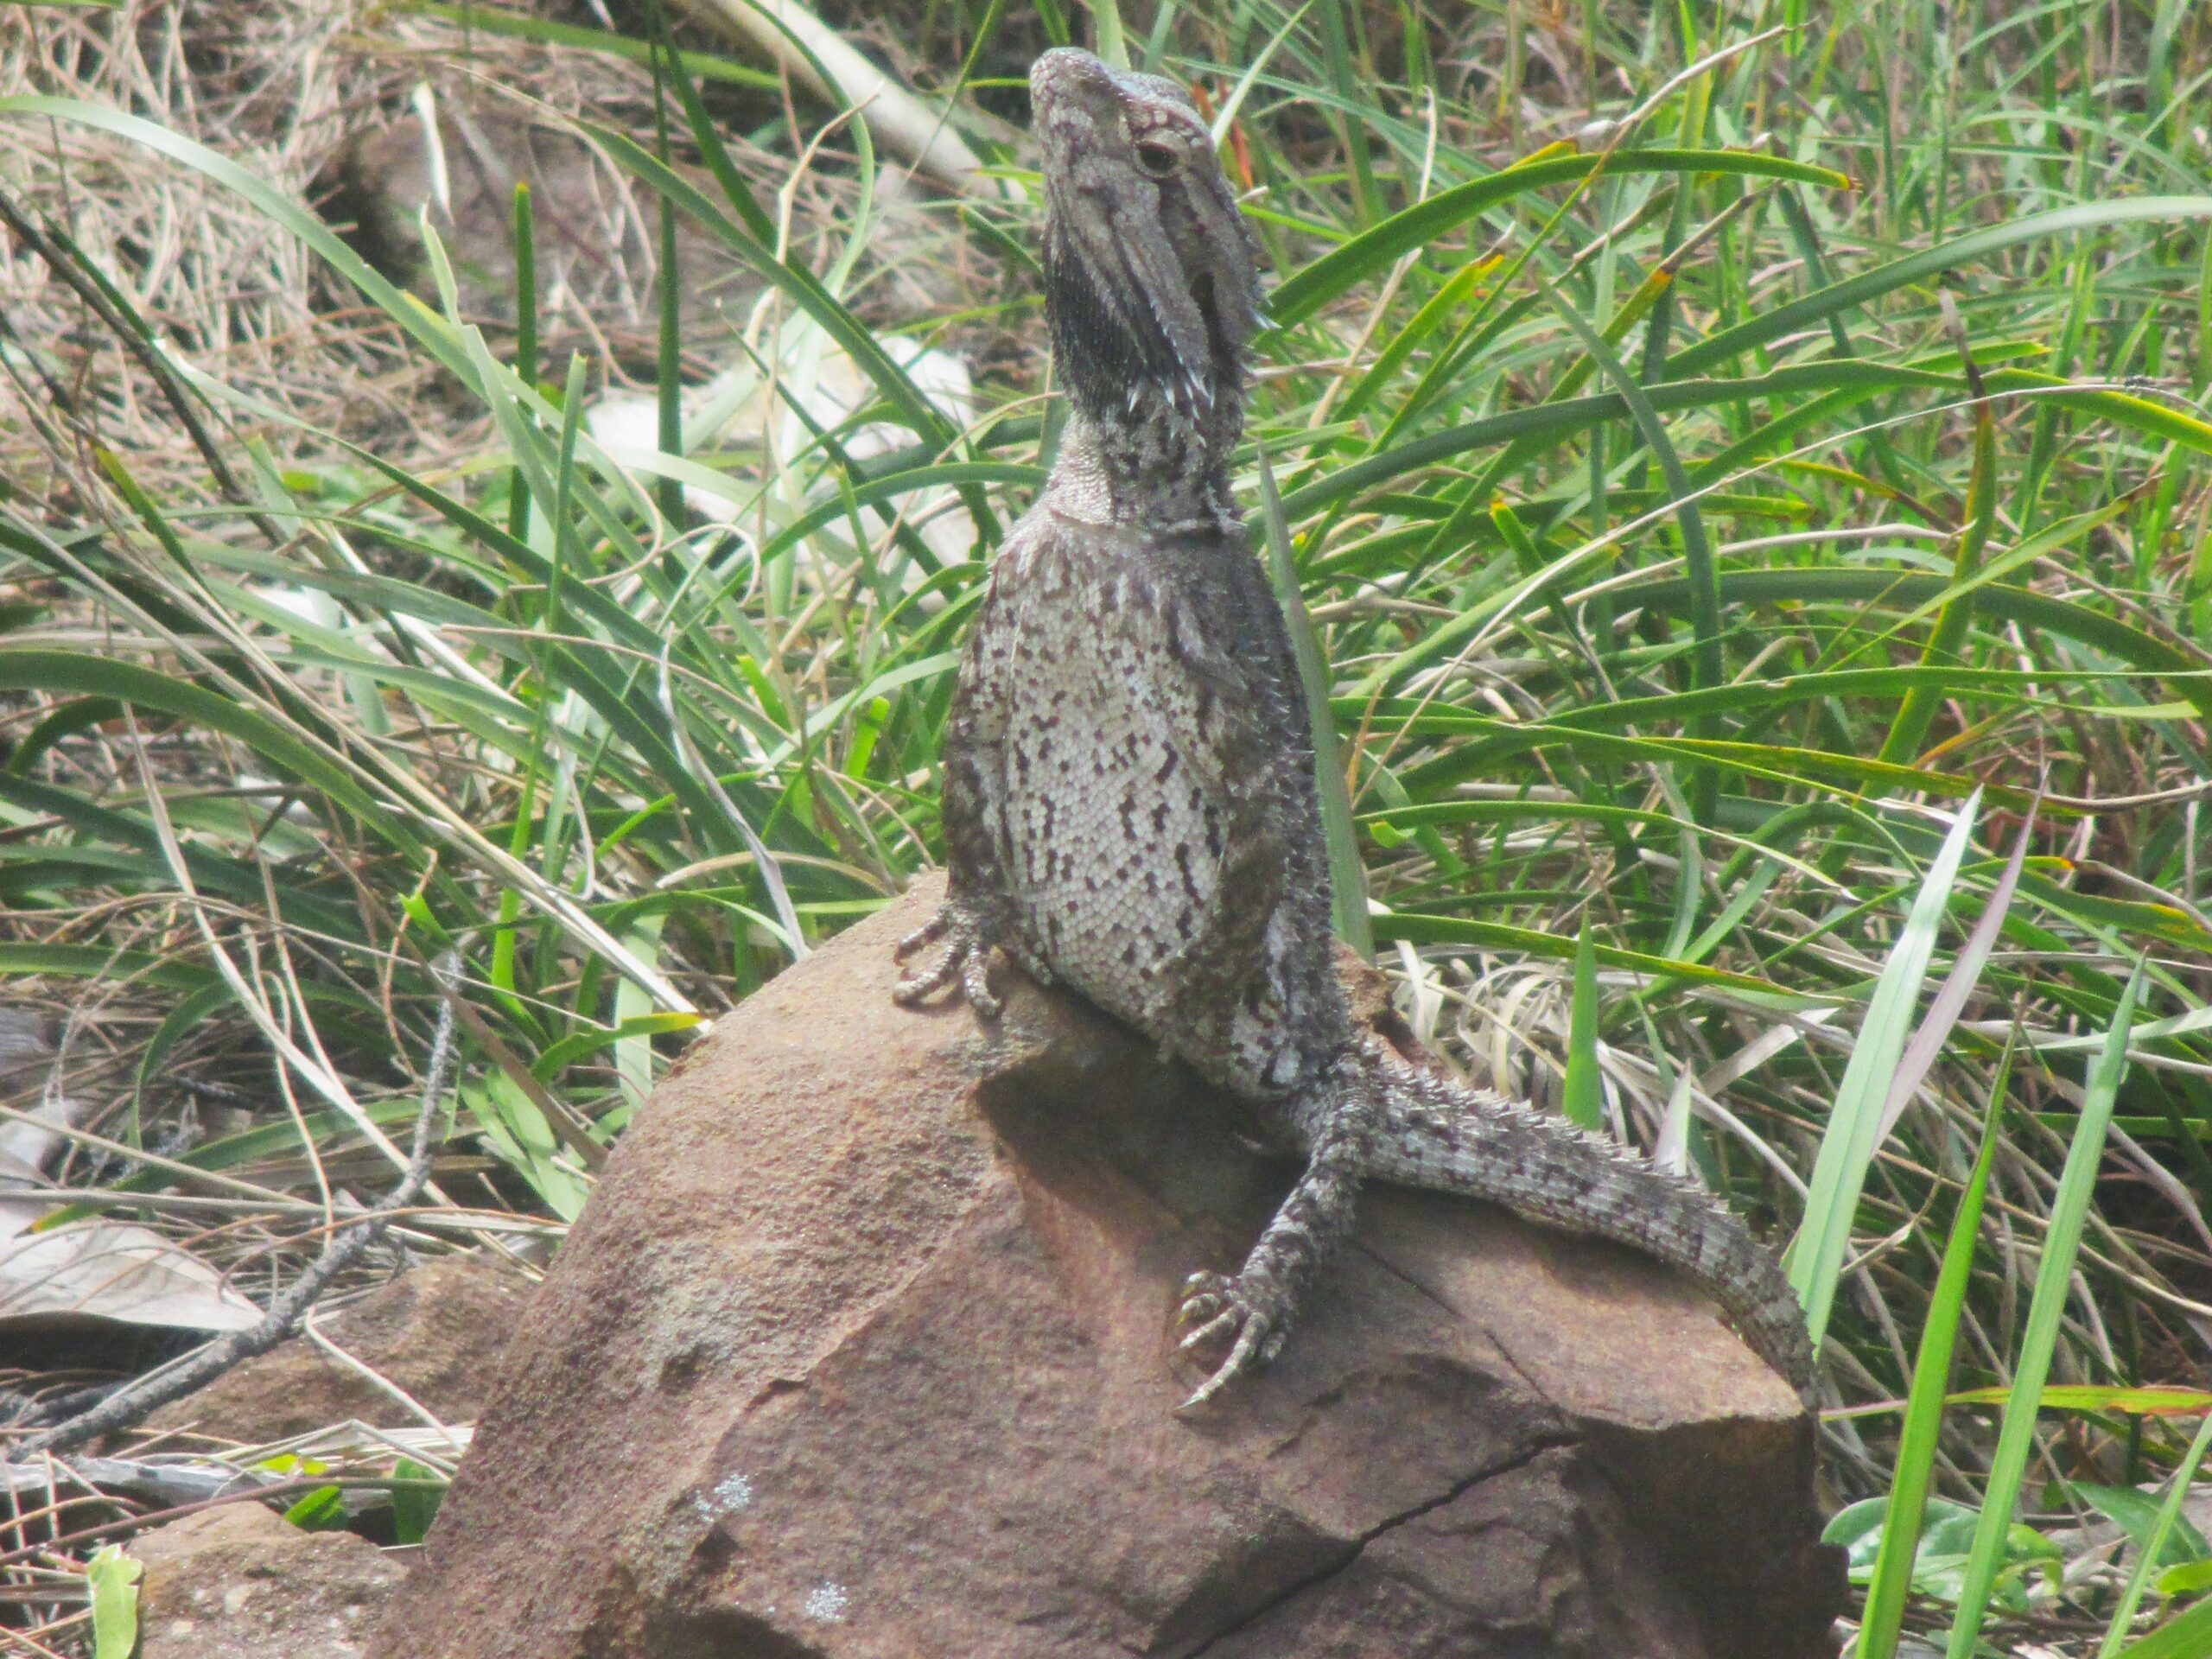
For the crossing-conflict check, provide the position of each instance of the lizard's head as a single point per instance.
(1150, 278)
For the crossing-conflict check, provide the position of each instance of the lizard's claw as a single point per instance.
(1222, 1309)
(975, 984)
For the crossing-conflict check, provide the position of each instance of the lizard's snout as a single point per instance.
(1063, 71)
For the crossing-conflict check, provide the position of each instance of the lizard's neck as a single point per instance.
(1149, 464)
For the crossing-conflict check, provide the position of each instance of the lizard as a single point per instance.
(1130, 806)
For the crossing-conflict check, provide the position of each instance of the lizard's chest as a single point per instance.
(1115, 847)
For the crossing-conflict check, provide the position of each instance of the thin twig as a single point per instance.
(130, 1406)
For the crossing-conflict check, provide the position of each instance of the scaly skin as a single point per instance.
(1129, 800)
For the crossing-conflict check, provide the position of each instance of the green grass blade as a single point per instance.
(668, 369)
(29, 668)
(1447, 299)
(424, 325)
(1923, 1414)
(1336, 54)
(544, 30)
(1815, 1259)
(1583, 1095)
(2054, 1276)
(1347, 875)
(1919, 709)
(525, 235)
(1707, 671)
(2188, 1636)
(1373, 251)
(1107, 34)
(1420, 927)
(2153, 1546)
(1817, 307)
(1950, 998)
(1574, 416)
(1998, 602)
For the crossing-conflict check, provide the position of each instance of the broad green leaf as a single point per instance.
(414, 1506)
(518, 1133)
(113, 1577)
(322, 1509)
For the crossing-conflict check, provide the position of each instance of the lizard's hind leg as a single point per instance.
(1335, 1118)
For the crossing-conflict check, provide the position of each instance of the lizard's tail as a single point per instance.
(1445, 1137)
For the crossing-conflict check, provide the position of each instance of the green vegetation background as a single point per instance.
(1745, 469)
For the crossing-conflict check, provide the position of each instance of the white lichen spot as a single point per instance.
(731, 1494)
(735, 1492)
(827, 1602)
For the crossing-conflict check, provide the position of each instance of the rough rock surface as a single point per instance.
(861, 1348)
(238, 1582)
(438, 1331)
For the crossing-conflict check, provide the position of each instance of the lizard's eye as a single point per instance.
(1158, 161)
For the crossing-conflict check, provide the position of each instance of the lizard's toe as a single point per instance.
(1224, 1311)
(934, 975)
(928, 933)
(1205, 1296)
(1254, 1342)
(1028, 961)
(1219, 1329)
(976, 985)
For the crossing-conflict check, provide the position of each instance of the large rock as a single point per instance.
(862, 1347)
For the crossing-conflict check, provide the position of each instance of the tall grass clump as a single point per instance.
(1746, 473)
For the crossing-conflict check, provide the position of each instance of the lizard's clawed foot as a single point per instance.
(1224, 1309)
(964, 951)
(962, 954)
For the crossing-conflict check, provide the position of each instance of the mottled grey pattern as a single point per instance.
(1129, 802)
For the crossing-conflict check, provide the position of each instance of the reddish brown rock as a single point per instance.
(437, 1331)
(238, 1582)
(861, 1349)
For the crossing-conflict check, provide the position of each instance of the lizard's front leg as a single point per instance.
(1336, 1120)
(966, 944)
(977, 918)
(970, 930)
